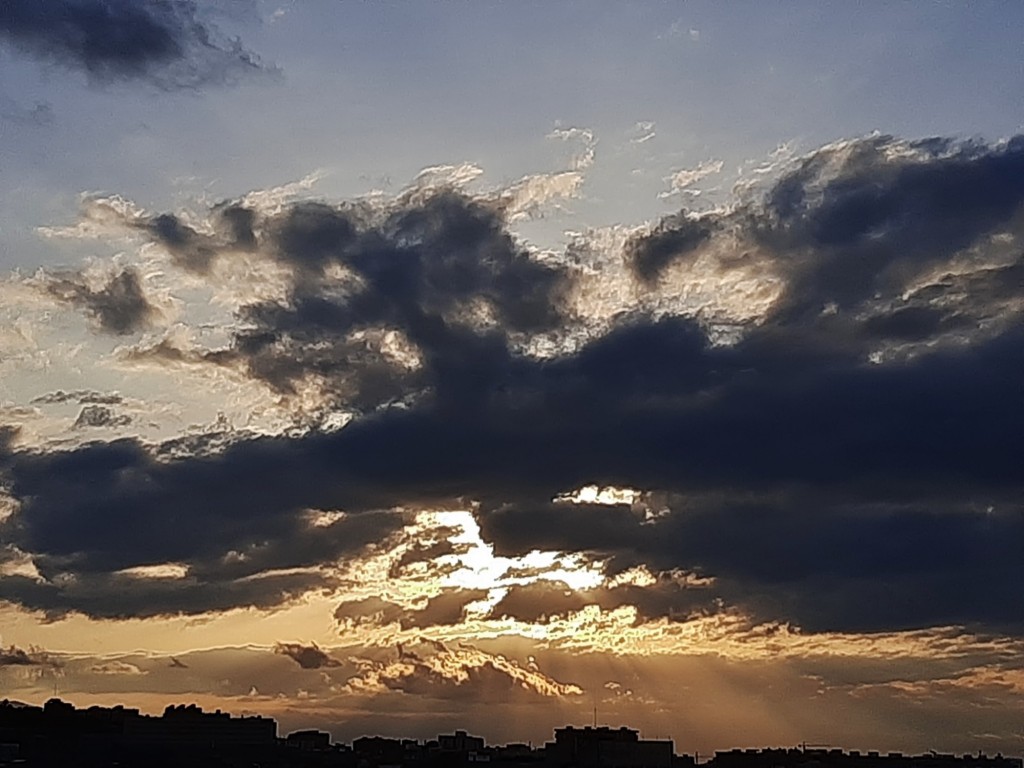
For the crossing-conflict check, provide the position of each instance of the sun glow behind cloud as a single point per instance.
(264, 328)
(479, 568)
(593, 494)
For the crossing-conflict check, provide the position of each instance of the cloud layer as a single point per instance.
(839, 457)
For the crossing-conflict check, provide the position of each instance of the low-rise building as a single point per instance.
(308, 741)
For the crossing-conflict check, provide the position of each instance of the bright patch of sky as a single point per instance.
(371, 93)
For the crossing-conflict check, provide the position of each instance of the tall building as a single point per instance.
(459, 741)
(604, 747)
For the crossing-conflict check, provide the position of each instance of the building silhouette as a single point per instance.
(604, 747)
(837, 758)
(60, 735)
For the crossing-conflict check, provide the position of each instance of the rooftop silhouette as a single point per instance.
(59, 734)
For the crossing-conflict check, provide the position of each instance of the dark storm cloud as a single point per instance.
(898, 466)
(421, 275)
(847, 462)
(863, 568)
(120, 596)
(120, 307)
(83, 547)
(167, 43)
(444, 609)
(421, 556)
(306, 656)
(423, 270)
(823, 565)
(881, 221)
(541, 601)
(673, 238)
(196, 251)
(431, 290)
(858, 220)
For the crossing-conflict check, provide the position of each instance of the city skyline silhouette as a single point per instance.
(406, 369)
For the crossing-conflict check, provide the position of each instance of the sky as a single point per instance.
(391, 367)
